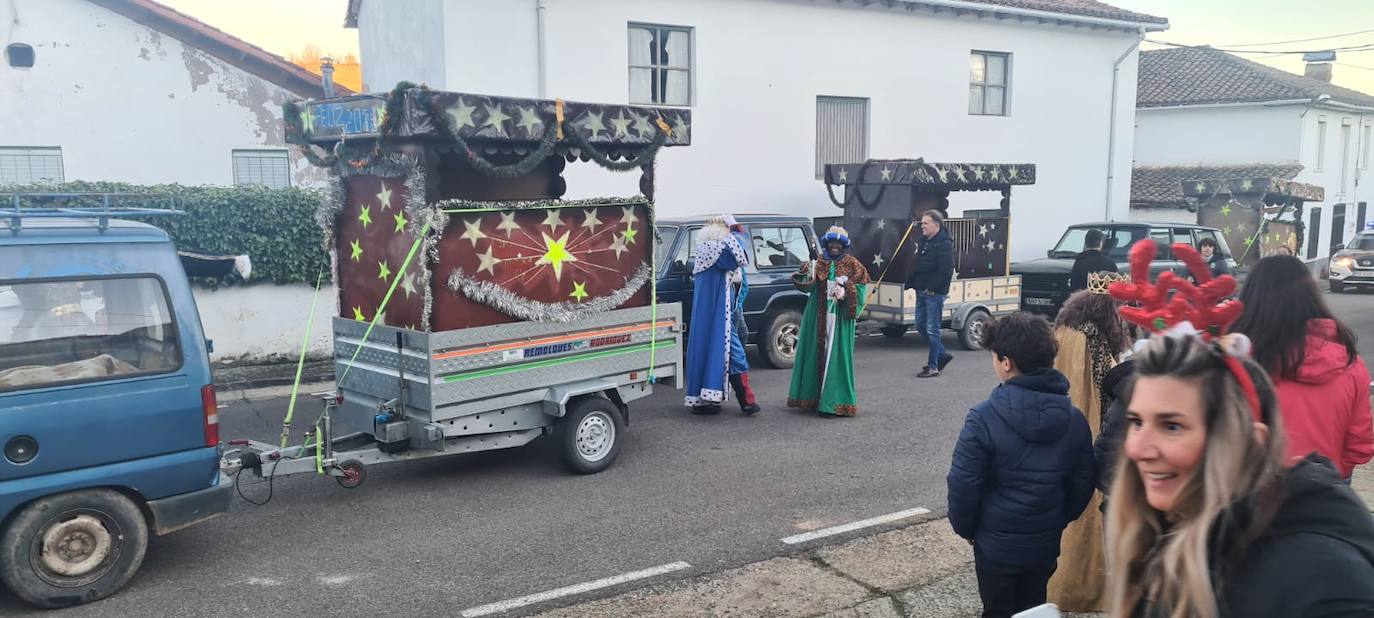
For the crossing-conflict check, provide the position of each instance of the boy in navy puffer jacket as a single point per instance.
(1022, 470)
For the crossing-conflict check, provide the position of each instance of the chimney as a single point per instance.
(1319, 65)
(327, 73)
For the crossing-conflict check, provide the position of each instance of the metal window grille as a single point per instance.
(269, 168)
(660, 64)
(20, 165)
(841, 131)
(988, 79)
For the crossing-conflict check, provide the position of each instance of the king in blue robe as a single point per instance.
(713, 313)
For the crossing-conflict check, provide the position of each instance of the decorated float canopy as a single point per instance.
(1258, 216)
(885, 198)
(445, 209)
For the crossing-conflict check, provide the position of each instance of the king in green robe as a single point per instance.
(837, 286)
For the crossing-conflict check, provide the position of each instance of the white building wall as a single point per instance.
(1217, 135)
(127, 103)
(403, 41)
(1358, 185)
(262, 321)
(759, 66)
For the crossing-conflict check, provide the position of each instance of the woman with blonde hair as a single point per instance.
(1204, 520)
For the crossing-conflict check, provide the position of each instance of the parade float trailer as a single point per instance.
(1258, 217)
(883, 203)
(479, 310)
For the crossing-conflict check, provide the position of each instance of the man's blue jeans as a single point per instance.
(929, 308)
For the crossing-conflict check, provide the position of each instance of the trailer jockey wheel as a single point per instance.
(353, 474)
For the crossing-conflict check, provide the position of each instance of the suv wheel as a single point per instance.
(779, 343)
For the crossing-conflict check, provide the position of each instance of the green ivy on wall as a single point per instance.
(275, 227)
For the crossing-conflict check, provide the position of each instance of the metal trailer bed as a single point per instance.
(413, 394)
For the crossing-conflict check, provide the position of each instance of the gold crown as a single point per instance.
(1101, 282)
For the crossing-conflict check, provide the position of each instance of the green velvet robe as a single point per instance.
(823, 376)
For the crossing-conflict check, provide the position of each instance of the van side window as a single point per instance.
(776, 247)
(1163, 243)
(81, 330)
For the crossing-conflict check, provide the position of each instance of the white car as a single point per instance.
(1353, 264)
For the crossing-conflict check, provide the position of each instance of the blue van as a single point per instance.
(780, 244)
(108, 419)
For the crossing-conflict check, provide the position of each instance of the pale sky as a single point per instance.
(286, 26)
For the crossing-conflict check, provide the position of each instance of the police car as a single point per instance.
(1353, 264)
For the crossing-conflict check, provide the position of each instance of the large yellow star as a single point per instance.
(357, 250)
(579, 291)
(366, 216)
(556, 252)
(383, 271)
(630, 235)
(472, 232)
(400, 218)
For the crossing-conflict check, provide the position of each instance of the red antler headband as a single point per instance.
(1173, 306)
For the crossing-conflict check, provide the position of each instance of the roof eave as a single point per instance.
(962, 7)
(1270, 103)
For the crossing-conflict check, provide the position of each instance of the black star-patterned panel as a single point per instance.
(980, 246)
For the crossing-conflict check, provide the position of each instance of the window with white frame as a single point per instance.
(1321, 143)
(989, 74)
(841, 131)
(25, 165)
(660, 65)
(269, 168)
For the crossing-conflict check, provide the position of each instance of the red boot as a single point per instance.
(745, 394)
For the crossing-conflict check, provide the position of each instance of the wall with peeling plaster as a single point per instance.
(128, 103)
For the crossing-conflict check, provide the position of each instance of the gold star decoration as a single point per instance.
(507, 223)
(308, 120)
(408, 287)
(628, 217)
(1226, 210)
(472, 232)
(489, 262)
(357, 250)
(383, 271)
(358, 314)
(622, 124)
(555, 254)
(618, 245)
(589, 220)
(461, 115)
(630, 235)
(553, 221)
(579, 291)
(400, 218)
(366, 216)
(496, 119)
(384, 196)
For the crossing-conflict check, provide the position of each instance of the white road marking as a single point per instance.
(510, 604)
(858, 525)
(263, 581)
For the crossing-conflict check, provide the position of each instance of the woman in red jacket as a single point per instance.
(1322, 384)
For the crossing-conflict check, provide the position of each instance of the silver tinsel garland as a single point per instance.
(460, 204)
(509, 303)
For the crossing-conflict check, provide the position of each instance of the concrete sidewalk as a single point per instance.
(921, 571)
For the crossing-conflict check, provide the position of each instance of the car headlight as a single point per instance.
(1344, 262)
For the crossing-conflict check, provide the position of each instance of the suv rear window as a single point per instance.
(1117, 241)
(81, 330)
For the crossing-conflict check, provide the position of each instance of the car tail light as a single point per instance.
(210, 408)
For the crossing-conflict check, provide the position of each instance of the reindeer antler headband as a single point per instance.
(1202, 309)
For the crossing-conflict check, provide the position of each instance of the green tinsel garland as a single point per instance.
(646, 157)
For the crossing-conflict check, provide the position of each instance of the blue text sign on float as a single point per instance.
(354, 117)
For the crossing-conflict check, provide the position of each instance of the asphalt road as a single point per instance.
(438, 536)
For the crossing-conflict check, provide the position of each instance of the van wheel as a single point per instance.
(971, 335)
(73, 548)
(589, 435)
(779, 343)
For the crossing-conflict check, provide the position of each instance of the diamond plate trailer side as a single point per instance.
(411, 394)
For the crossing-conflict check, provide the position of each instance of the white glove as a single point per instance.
(842, 279)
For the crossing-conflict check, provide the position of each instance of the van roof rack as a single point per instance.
(100, 206)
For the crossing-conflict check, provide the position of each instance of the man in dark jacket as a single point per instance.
(930, 278)
(1091, 260)
(1022, 470)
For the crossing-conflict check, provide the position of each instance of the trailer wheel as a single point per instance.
(894, 331)
(353, 474)
(589, 435)
(971, 335)
(73, 548)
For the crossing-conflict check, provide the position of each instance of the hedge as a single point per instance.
(275, 227)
